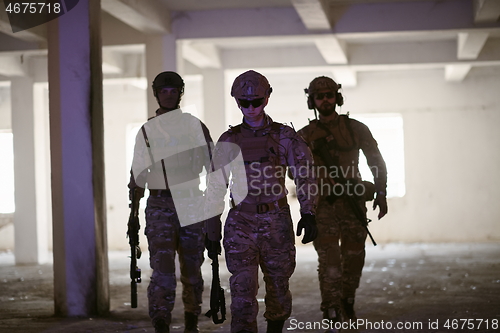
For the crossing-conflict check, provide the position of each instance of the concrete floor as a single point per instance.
(418, 286)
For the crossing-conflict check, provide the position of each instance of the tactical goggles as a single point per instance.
(254, 102)
(328, 95)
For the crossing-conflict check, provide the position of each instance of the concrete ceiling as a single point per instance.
(344, 37)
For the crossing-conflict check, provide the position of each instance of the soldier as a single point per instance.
(171, 150)
(258, 230)
(335, 141)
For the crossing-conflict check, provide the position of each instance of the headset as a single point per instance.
(339, 99)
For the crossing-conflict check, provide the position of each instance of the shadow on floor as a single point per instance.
(404, 288)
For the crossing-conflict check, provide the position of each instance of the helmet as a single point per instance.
(168, 79)
(322, 82)
(251, 85)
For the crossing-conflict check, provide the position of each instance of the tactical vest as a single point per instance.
(264, 164)
(341, 143)
(177, 147)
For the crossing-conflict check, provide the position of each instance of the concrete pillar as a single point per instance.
(161, 55)
(213, 101)
(81, 286)
(30, 232)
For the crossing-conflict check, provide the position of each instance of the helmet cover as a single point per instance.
(322, 82)
(168, 79)
(251, 85)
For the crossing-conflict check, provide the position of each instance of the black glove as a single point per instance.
(381, 202)
(213, 247)
(307, 222)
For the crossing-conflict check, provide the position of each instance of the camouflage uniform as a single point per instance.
(340, 266)
(259, 230)
(165, 232)
(165, 238)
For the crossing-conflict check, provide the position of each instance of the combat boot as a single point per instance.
(190, 323)
(348, 307)
(275, 326)
(334, 316)
(161, 326)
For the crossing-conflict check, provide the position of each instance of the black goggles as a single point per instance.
(254, 102)
(328, 95)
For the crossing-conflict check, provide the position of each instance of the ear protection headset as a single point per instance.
(323, 82)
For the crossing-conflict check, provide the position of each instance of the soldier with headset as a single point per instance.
(335, 141)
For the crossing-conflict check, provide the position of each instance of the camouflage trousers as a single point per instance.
(165, 238)
(341, 251)
(252, 240)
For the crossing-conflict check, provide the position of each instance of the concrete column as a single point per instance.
(161, 55)
(76, 130)
(30, 233)
(213, 101)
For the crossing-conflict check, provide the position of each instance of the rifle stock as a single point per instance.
(135, 250)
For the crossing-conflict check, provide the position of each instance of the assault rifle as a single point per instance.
(321, 148)
(135, 250)
(217, 299)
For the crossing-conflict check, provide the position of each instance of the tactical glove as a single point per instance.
(307, 222)
(381, 202)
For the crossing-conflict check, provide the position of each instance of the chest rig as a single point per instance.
(171, 147)
(335, 147)
(264, 162)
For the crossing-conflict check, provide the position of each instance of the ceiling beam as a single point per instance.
(346, 76)
(470, 44)
(313, 13)
(35, 34)
(355, 17)
(112, 62)
(486, 11)
(365, 57)
(456, 72)
(333, 50)
(13, 65)
(147, 16)
(202, 55)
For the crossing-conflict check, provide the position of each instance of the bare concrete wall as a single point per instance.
(5, 115)
(451, 153)
(124, 105)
